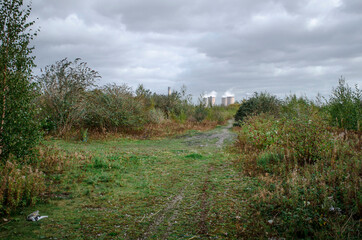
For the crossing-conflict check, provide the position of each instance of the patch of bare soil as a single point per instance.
(220, 135)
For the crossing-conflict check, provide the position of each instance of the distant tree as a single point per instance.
(18, 130)
(63, 86)
(345, 106)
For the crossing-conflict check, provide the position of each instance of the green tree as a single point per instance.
(18, 129)
(64, 86)
(345, 106)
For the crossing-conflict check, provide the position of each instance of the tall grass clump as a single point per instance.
(308, 174)
(20, 186)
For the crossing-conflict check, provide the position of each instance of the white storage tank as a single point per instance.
(224, 101)
(230, 100)
(211, 101)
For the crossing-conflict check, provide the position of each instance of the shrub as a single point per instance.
(114, 108)
(345, 106)
(19, 186)
(258, 103)
(64, 85)
(156, 116)
(218, 114)
(179, 102)
(305, 140)
(269, 161)
(308, 179)
(261, 132)
(200, 113)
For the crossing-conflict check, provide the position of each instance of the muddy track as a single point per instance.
(220, 137)
(171, 210)
(205, 205)
(168, 213)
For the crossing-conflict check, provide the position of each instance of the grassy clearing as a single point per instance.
(188, 187)
(173, 188)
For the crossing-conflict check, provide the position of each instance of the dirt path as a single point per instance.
(197, 192)
(216, 137)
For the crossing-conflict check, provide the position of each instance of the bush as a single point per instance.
(345, 107)
(302, 140)
(268, 161)
(64, 86)
(305, 140)
(156, 116)
(307, 178)
(258, 103)
(114, 108)
(200, 113)
(20, 186)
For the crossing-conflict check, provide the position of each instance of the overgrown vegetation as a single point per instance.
(70, 101)
(307, 172)
(296, 172)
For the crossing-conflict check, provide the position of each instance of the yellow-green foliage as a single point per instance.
(309, 176)
(19, 186)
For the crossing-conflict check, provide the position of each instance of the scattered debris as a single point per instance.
(35, 216)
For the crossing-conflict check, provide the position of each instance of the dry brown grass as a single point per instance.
(150, 131)
(20, 185)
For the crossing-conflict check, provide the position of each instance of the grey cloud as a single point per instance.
(243, 46)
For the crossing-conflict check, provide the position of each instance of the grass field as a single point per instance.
(176, 188)
(190, 186)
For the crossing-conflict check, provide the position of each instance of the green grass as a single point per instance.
(186, 187)
(127, 189)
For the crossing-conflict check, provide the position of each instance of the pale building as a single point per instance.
(230, 100)
(211, 101)
(224, 101)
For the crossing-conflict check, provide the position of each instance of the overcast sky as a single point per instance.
(220, 46)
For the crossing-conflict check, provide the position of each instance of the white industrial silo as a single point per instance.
(224, 101)
(230, 100)
(212, 101)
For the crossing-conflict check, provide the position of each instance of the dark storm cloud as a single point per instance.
(280, 46)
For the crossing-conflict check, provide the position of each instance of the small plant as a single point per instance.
(99, 163)
(268, 161)
(84, 134)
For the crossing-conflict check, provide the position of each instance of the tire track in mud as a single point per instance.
(205, 204)
(169, 212)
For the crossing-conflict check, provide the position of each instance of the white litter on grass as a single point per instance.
(35, 216)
